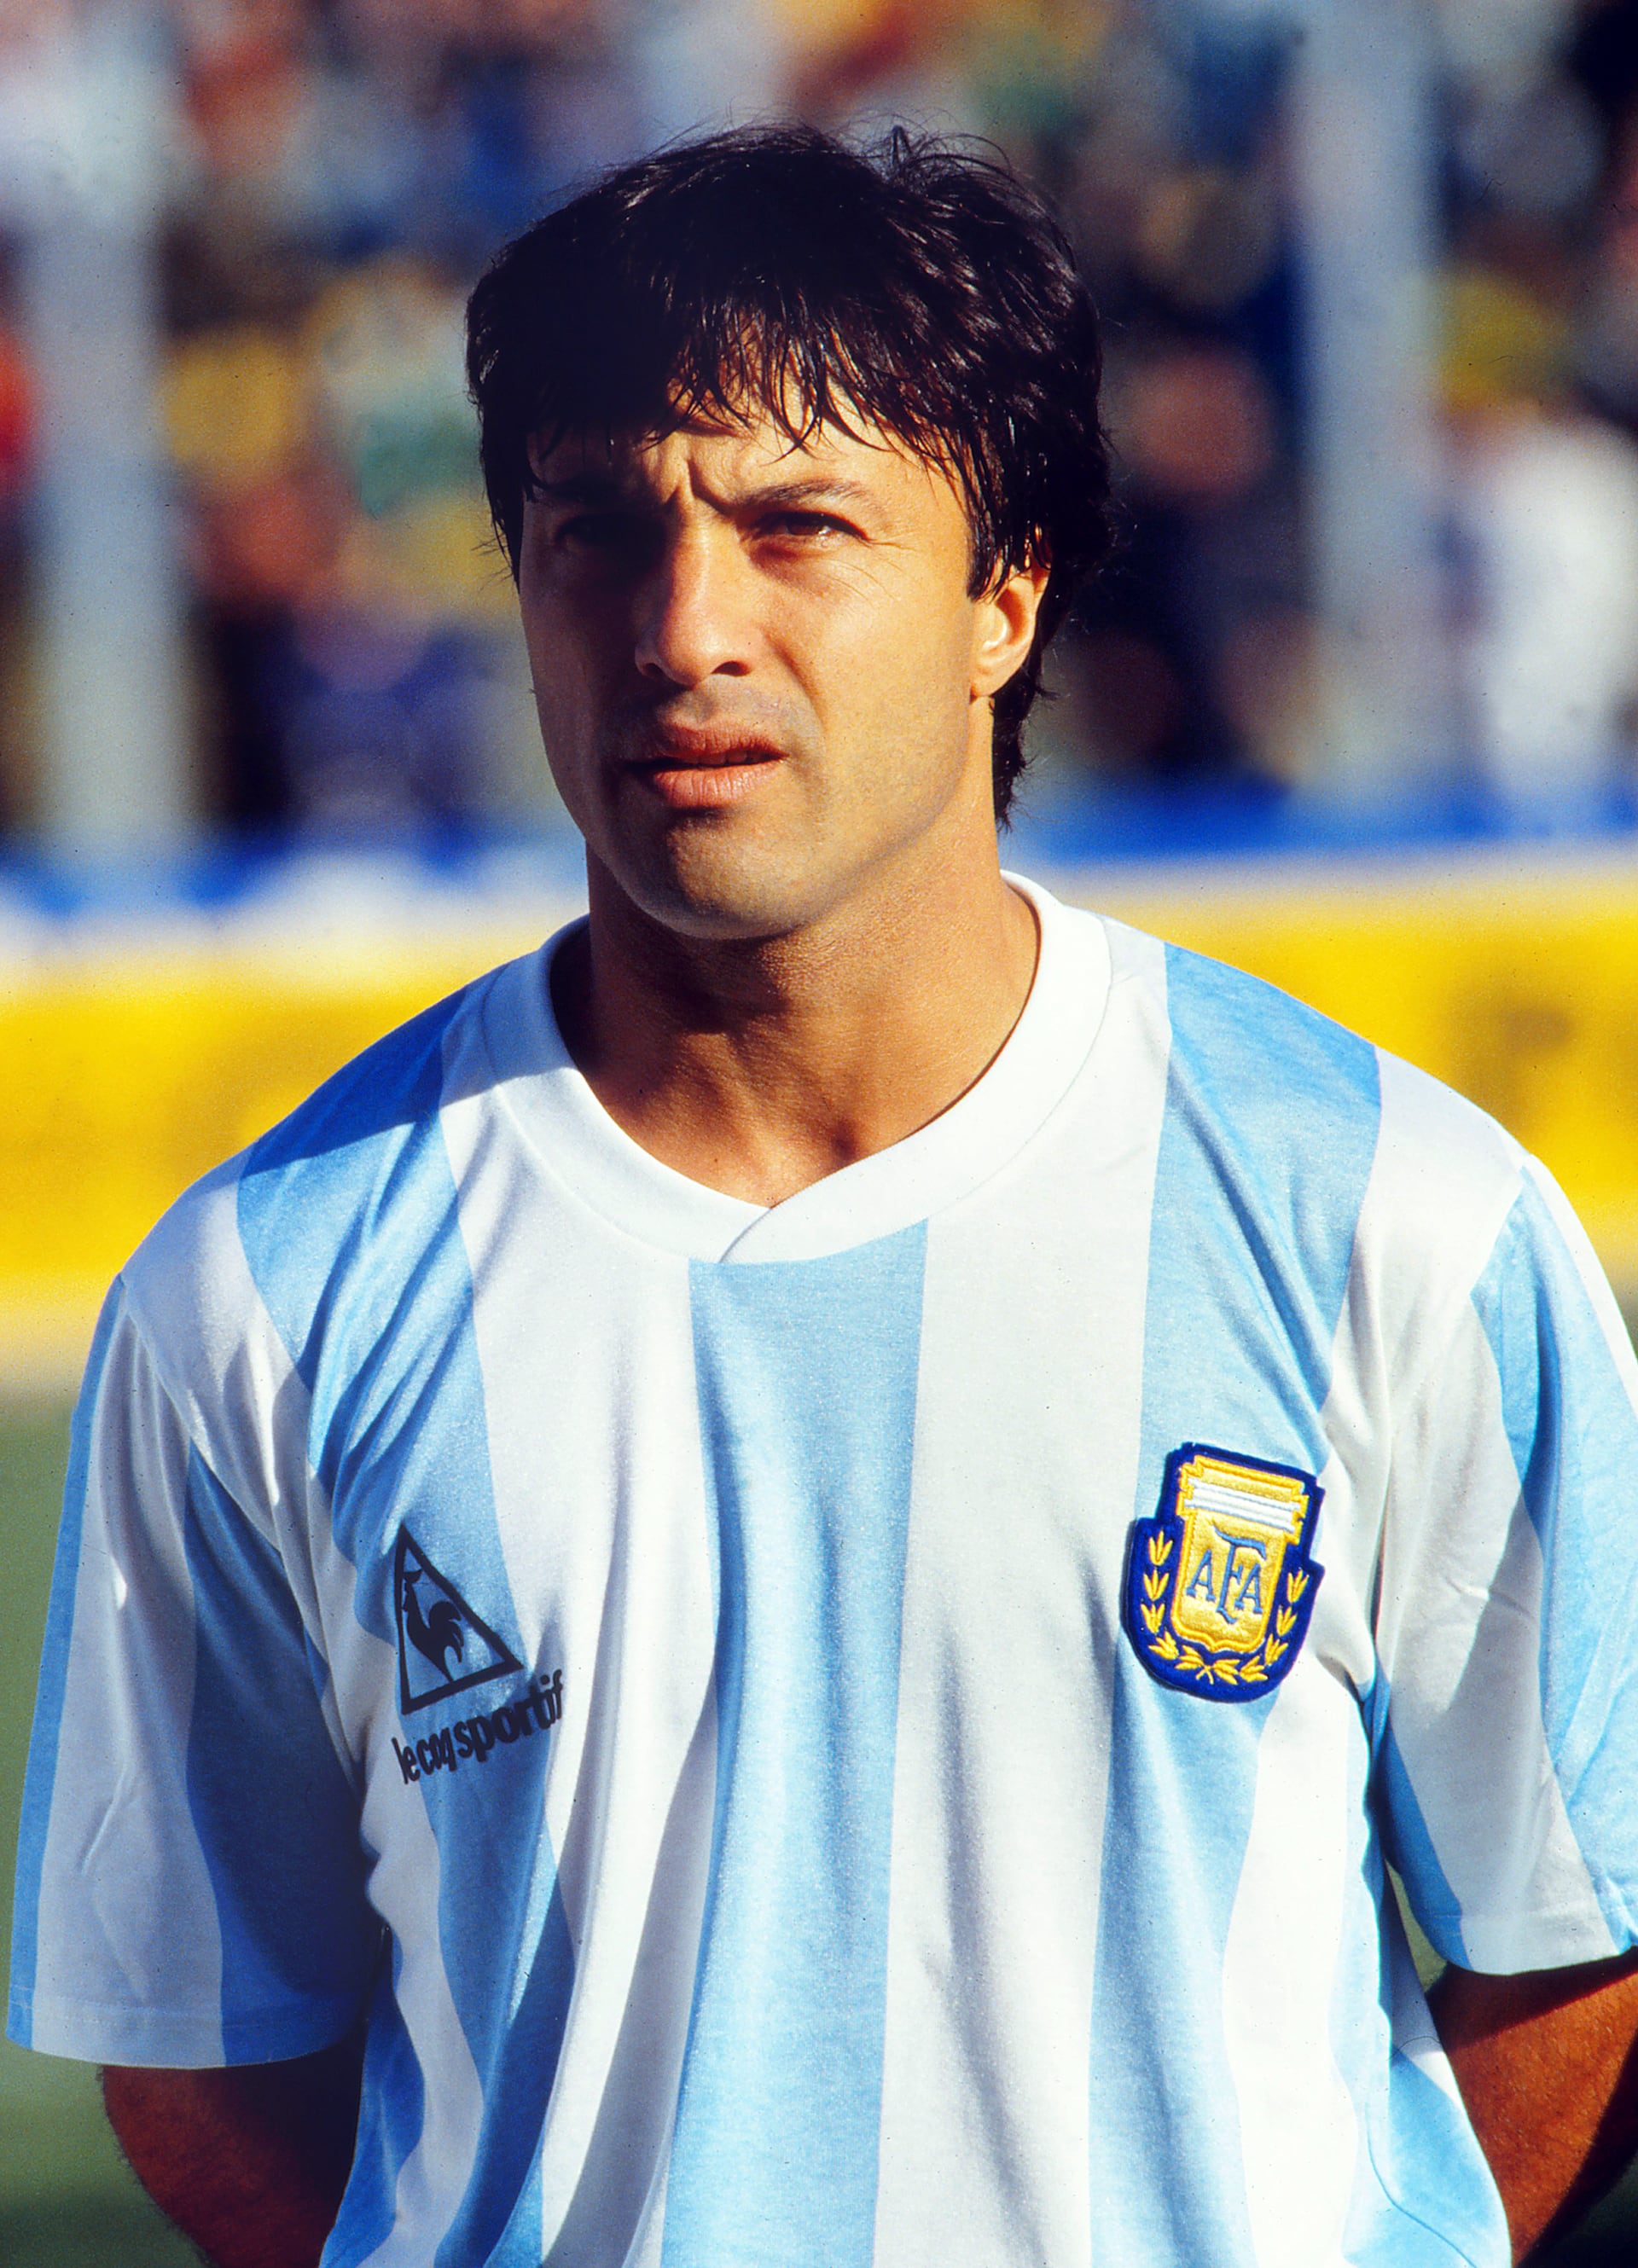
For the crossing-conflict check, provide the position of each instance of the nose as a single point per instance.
(691, 619)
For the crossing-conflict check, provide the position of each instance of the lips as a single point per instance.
(703, 749)
(704, 769)
(705, 786)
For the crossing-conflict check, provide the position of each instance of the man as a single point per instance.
(808, 1551)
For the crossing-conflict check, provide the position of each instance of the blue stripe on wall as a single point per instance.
(1266, 1145)
(1575, 1442)
(41, 1781)
(277, 1821)
(807, 1376)
(349, 1217)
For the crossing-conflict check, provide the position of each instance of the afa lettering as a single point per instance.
(1243, 1585)
(537, 1708)
(1239, 1591)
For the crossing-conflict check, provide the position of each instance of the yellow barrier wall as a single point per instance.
(129, 1077)
(128, 1073)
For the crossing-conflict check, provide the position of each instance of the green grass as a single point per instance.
(67, 2199)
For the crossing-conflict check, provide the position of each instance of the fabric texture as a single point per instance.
(870, 1732)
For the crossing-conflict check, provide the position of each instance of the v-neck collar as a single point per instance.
(574, 1135)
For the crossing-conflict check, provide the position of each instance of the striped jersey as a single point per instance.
(871, 1731)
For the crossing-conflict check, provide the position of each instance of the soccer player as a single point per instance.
(772, 1592)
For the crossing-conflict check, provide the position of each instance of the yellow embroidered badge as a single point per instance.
(1220, 1584)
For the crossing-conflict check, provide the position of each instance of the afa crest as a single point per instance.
(1219, 1585)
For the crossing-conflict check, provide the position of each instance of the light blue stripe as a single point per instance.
(512, 2010)
(277, 1821)
(390, 2121)
(1265, 1148)
(349, 1217)
(40, 1783)
(1445, 2211)
(1574, 1443)
(808, 1389)
(1411, 1847)
(1423, 2195)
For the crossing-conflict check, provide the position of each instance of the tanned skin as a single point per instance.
(1547, 2064)
(250, 2163)
(764, 691)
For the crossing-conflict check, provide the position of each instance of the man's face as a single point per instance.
(762, 684)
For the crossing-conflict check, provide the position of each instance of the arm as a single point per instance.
(1547, 2064)
(251, 2161)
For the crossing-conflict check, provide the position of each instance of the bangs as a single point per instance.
(732, 360)
(818, 293)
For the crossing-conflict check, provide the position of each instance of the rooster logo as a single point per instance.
(443, 1646)
(436, 1635)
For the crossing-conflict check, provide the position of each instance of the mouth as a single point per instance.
(703, 770)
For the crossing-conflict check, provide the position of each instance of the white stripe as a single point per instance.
(406, 1883)
(599, 1491)
(229, 1374)
(129, 1965)
(1460, 1623)
(1414, 2033)
(1018, 1526)
(1443, 1183)
(229, 1371)
(1267, 1512)
(1435, 1525)
(1296, 2118)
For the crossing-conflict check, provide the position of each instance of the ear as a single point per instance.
(1004, 627)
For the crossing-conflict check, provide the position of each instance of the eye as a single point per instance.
(598, 531)
(798, 526)
(603, 539)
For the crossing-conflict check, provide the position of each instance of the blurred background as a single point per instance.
(1357, 705)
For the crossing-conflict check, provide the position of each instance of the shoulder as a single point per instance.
(1240, 1049)
(395, 1084)
(1267, 1090)
(256, 1242)
(1321, 1140)
(1235, 1036)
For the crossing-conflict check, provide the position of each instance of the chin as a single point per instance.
(728, 899)
(746, 917)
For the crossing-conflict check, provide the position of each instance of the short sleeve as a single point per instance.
(190, 1883)
(1508, 1615)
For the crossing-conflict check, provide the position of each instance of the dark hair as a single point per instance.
(919, 288)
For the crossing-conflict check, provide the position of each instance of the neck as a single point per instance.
(759, 1067)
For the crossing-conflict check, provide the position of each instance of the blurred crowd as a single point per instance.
(336, 172)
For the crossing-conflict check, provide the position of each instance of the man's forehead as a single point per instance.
(752, 445)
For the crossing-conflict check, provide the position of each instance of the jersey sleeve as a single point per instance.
(190, 1884)
(1507, 1710)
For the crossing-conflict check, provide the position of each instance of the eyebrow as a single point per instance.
(608, 488)
(584, 488)
(817, 489)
